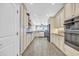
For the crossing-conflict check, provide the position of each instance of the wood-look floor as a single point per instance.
(41, 47)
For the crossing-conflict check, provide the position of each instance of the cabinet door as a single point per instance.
(62, 18)
(25, 17)
(57, 41)
(24, 25)
(58, 20)
(68, 11)
(22, 29)
(61, 43)
(52, 22)
(76, 9)
(52, 25)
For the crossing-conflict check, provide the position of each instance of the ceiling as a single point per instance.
(40, 12)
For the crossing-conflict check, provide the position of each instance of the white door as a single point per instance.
(9, 29)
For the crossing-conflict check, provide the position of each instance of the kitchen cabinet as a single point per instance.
(23, 27)
(58, 20)
(29, 38)
(61, 43)
(69, 10)
(76, 7)
(53, 24)
(25, 18)
(55, 37)
(62, 18)
(61, 40)
(57, 40)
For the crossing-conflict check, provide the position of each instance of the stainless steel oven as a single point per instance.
(72, 32)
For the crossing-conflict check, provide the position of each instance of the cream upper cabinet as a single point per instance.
(76, 7)
(62, 18)
(25, 18)
(57, 21)
(52, 23)
(69, 10)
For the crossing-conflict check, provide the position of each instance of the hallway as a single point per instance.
(41, 47)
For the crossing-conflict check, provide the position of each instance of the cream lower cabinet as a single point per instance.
(58, 41)
(25, 40)
(54, 39)
(61, 43)
(29, 39)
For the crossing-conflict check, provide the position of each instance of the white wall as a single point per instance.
(9, 26)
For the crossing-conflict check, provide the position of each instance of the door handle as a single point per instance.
(17, 33)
